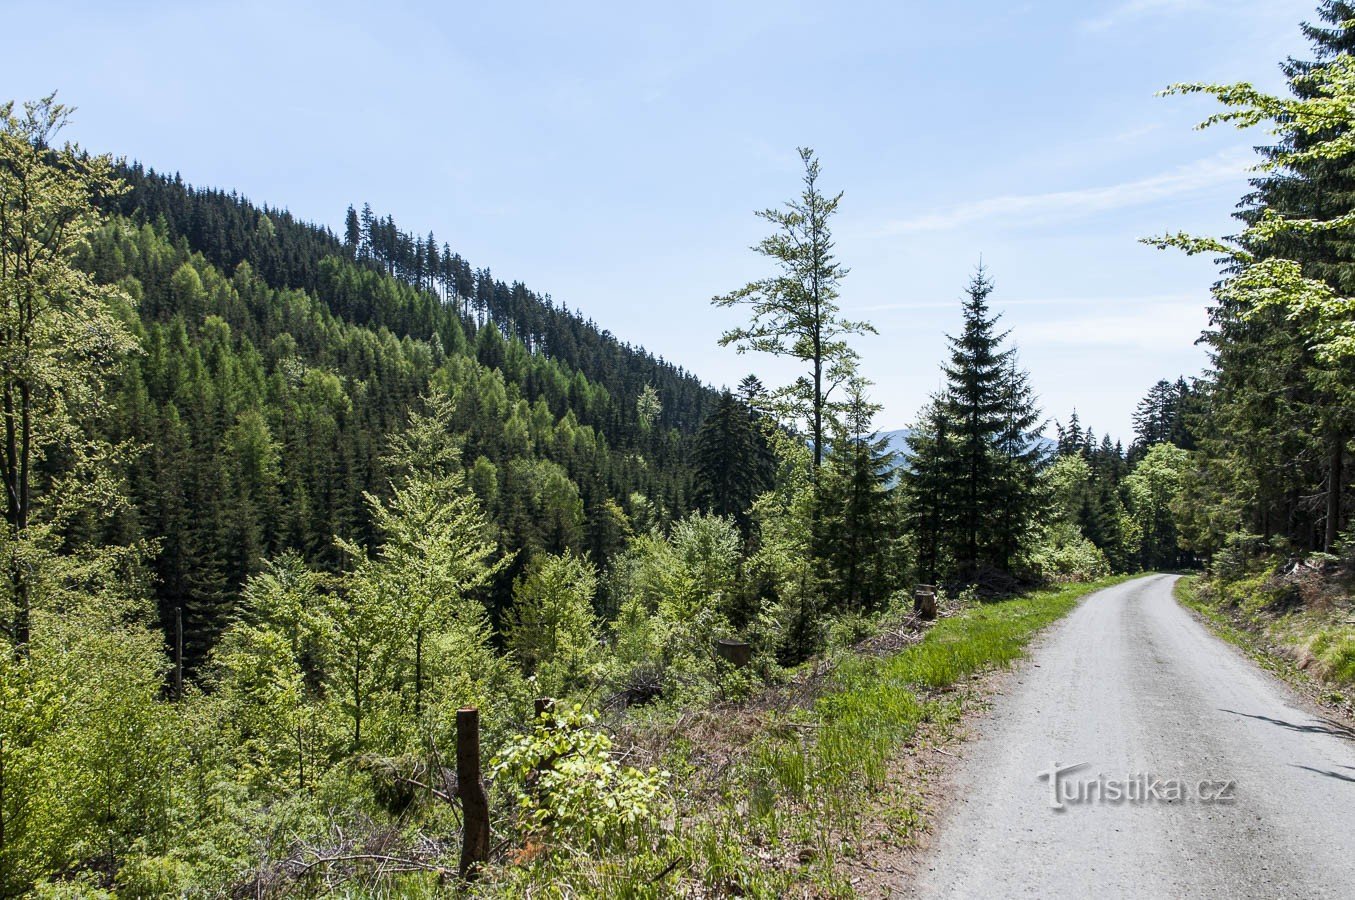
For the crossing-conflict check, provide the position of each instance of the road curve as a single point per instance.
(1132, 686)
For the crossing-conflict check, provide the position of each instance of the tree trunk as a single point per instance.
(1334, 489)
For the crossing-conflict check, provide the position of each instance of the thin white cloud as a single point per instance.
(1000, 304)
(1060, 205)
(1149, 324)
(1132, 135)
(1138, 9)
(1127, 12)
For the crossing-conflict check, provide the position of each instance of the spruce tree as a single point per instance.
(1020, 492)
(857, 523)
(928, 480)
(975, 375)
(984, 475)
(352, 232)
(734, 463)
(1294, 448)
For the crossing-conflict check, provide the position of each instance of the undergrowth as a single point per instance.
(788, 810)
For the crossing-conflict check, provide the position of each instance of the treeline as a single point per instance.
(286, 253)
(1270, 423)
(264, 410)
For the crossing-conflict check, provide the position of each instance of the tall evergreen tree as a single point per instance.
(1161, 416)
(1281, 412)
(988, 476)
(794, 313)
(857, 523)
(1020, 492)
(352, 231)
(928, 481)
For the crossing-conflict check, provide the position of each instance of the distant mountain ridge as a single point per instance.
(897, 441)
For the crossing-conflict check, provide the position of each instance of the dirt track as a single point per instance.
(1130, 685)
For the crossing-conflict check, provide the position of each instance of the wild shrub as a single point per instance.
(566, 785)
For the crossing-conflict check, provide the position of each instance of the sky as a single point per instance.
(612, 155)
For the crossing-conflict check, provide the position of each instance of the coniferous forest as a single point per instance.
(280, 500)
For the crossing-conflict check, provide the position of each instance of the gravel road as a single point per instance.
(1130, 685)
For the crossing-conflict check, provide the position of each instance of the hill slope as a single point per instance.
(279, 362)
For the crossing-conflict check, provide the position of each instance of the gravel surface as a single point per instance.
(1131, 686)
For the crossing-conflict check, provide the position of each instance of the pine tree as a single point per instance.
(985, 472)
(857, 523)
(734, 464)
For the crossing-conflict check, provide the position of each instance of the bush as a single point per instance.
(565, 784)
(1334, 651)
(553, 630)
(1068, 556)
(849, 629)
(1234, 559)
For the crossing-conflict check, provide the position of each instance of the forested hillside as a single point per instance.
(277, 363)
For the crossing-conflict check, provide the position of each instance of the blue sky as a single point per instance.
(612, 154)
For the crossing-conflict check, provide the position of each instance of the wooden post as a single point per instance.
(924, 601)
(471, 790)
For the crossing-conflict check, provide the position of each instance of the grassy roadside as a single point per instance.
(809, 790)
(1309, 647)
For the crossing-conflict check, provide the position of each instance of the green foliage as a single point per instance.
(554, 632)
(1086, 531)
(974, 461)
(783, 566)
(675, 598)
(648, 407)
(1279, 413)
(734, 461)
(566, 785)
(1065, 555)
(1333, 649)
(794, 313)
(856, 527)
(85, 752)
(341, 466)
(1152, 489)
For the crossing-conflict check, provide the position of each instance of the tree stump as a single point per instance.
(736, 653)
(543, 706)
(924, 601)
(471, 790)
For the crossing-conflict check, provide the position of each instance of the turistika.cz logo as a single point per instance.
(1134, 788)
